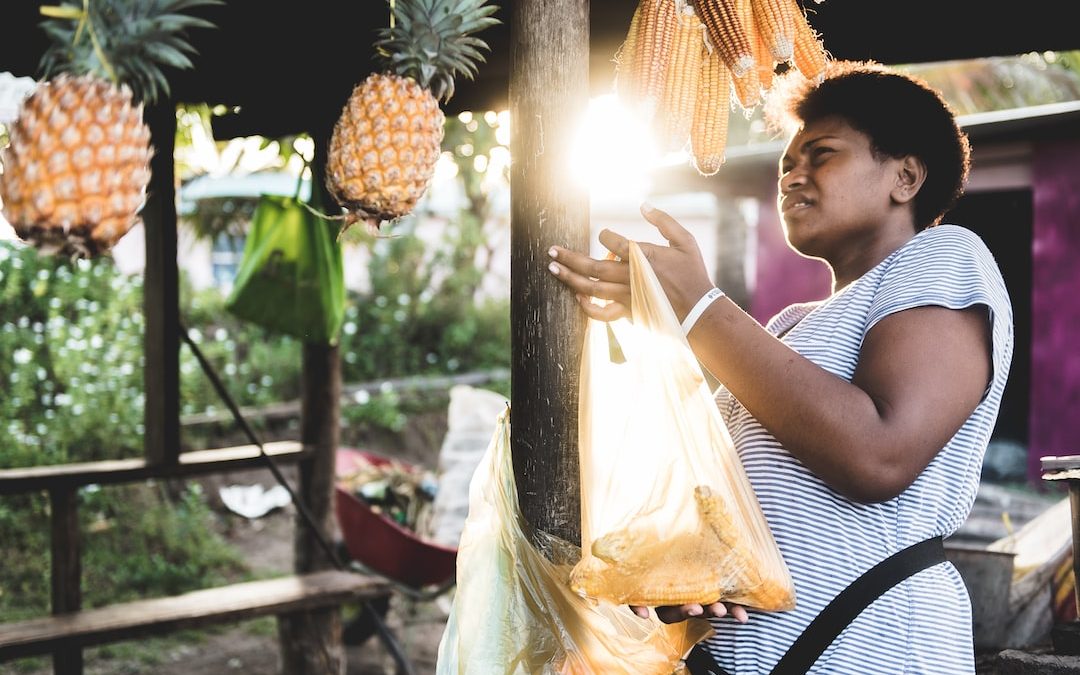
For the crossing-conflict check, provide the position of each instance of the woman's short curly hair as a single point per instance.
(900, 113)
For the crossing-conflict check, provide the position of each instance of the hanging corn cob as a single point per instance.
(708, 135)
(676, 113)
(775, 21)
(682, 60)
(727, 34)
(748, 86)
(766, 64)
(809, 53)
(652, 52)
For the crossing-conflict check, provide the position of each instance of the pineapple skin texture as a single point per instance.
(77, 168)
(384, 147)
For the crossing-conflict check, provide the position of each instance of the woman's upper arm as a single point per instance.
(926, 369)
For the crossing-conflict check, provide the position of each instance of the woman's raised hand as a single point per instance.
(678, 266)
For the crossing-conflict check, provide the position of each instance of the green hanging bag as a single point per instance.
(291, 278)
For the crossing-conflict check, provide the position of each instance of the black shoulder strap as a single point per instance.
(854, 599)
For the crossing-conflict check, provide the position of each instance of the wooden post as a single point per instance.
(161, 295)
(549, 89)
(311, 641)
(66, 570)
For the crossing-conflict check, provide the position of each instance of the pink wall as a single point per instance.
(783, 277)
(1055, 309)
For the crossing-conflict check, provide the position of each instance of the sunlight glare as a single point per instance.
(613, 152)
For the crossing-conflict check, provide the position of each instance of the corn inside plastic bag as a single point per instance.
(513, 610)
(668, 516)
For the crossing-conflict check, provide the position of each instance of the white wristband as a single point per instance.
(711, 296)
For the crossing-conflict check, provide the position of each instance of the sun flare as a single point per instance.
(614, 152)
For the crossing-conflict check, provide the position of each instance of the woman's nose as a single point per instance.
(792, 180)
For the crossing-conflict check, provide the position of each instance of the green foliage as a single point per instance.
(257, 366)
(24, 576)
(71, 333)
(382, 411)
(154, 544)
(420, 316)
(72, 377)
(425, 312)
(137, 542)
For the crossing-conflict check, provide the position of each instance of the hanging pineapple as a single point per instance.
(386, 142)
(76, 170)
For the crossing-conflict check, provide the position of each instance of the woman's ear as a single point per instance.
(910, 175)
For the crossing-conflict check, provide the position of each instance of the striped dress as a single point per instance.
(922, 625)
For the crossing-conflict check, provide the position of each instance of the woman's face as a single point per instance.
(834, 194)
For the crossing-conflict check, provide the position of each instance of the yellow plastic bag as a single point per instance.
(514, 612)
(668, 516)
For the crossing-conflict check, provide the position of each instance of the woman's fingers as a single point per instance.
(590, 288)
(609, 312)
(616, 243)
(739, 612)
(677, 613)
(606, 270)
(669, 228)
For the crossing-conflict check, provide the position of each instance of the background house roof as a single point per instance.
(289, 66)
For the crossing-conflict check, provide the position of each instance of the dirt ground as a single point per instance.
(267, 545)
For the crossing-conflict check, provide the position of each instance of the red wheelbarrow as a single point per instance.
(381, 545)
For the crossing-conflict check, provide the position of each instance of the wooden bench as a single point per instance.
(284, 595)
(71, 627)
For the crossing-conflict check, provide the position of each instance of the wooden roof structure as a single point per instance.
(289, 66)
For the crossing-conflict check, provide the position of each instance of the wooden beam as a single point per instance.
(62, 476)
(549, 90)
(161, 295)
(311, 641)
(400, 385)
(66, 570)
(205, 607)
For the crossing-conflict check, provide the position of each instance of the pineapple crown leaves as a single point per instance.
(125, 41)
(431, 41)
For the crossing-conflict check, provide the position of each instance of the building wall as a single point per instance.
(1055, 354)
(783, 277)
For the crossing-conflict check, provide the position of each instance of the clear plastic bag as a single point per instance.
(668, 516)
(513, 610)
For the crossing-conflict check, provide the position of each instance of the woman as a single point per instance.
(862, 419)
